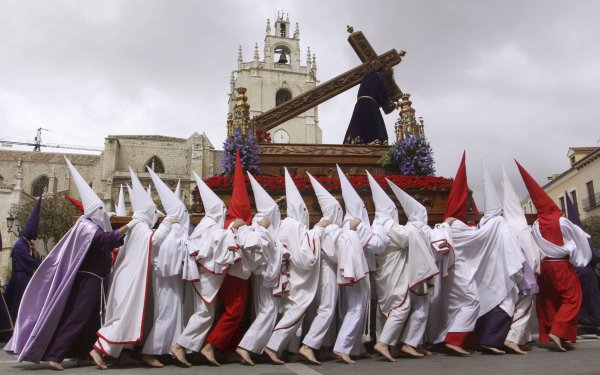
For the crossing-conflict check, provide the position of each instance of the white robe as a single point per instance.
(406, 263)
(304, 247)
(520, 331)
(168, 292)
(266, 277)
(576, 245)
(215, 250)
(130, 280)
(488, 263)
(321, 328)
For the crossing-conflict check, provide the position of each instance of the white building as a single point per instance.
(276, 78)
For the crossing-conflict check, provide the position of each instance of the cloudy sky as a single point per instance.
(500, 79)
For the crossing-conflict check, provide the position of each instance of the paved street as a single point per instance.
(584, 360)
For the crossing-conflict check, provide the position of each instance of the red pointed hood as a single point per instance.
(239, 205)
(548, 212)
(76, 203)
(457, 201)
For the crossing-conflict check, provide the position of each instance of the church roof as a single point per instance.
(159, 138)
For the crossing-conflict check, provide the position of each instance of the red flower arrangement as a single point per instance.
(333, 183)
(262, 136)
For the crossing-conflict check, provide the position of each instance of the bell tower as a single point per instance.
(278, 77)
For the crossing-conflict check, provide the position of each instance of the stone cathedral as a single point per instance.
(277, 78)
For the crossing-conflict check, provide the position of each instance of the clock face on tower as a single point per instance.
(281, 136)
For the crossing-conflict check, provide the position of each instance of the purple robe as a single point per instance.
(47, 295)
(492, 327)
(23, 266)
(367, 125)
(589, 314)
(76, 331)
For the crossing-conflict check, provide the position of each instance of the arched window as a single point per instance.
(282, 96)
(39, 185)
(282, 32)
(1, 180)
(155, 164)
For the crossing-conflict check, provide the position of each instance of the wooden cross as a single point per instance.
(302, 103)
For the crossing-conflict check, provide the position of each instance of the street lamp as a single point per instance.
(10, 223)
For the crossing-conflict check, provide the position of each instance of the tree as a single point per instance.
(56, 218)
(592, 227)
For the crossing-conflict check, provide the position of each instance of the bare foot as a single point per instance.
(384, 350)
(423, 351)
(126, 359)
(514, 348)
(410, 351)
(457, 350)
(56, 366)
(97, 357)
(209, 353)
(308, 353)
(556, 341)
(82, 362)
(178, 352)
(151, 361)
(273, 355)
(568, 344)
(245, 355)
(493, 350)
(345, 357)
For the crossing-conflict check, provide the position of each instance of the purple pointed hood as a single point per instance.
(30, 231)
(572, 214)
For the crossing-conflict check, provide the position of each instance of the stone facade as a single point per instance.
(174, 159)
(277, 78)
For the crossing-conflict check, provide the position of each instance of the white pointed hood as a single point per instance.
(93, 208)
(492, 206)
(214, 207)
(355, 207)
(331, 208)
(172, 205)
(265, 206)
(414, 211)
(142, 205)
(130, 193)
(512, 211)
(178, 190)
(120, 210)
(385, 208)
(296, 208)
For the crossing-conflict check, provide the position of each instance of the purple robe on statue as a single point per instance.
(48, 294)
(367, 125)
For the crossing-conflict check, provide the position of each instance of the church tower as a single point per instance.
(277, 78)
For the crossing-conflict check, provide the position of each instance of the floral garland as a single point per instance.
(333, 183)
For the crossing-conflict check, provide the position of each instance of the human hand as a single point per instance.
(132, 223)
(172, 220)
(238, 223)
(354, 223)
(324, 223)
(264, 222)
(450, 220)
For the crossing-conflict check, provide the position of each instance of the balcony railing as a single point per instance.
(591, 202)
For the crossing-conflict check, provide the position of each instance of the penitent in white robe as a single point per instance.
(304, 247)
(168, 289)
(130, 283)
(327, 293)
(265, 278)
(407, 263)
(353, 270)
(215, 250)
(488, 262)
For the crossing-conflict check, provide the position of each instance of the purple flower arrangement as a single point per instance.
(248, 146)
(412, 156)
